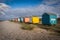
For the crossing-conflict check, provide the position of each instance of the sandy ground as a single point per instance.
(12, 31)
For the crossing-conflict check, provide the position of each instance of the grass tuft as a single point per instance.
(27, 27)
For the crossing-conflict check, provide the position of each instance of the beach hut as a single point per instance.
(35, 19)
(15, 19)
(30, 19)
(21, 19)
(18, 19)
(26, 19)
(49, 18)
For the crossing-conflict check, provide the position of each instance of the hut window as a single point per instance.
(53, 19)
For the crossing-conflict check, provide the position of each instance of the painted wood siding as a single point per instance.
(35, 20)
(45, 19)
(16, 19)
(53, 19)
(26, 20)
(21, 19)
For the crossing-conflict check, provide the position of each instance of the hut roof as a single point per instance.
(50, 14)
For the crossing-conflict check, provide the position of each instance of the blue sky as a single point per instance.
(22, 3)
(18, 8)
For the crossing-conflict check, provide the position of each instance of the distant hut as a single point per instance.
(35, 19)
(21, 19)
(15, 19)
(18, 19)
(30, 19)
(26, 19)
(49, 19)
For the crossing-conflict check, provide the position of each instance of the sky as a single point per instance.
(21, 3)
(18, 8)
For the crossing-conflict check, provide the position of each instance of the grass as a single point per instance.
(27, 26)
(52, 29)
(57, 29)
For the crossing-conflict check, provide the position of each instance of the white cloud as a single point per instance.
(38, 10)
(3, 11)
(54, 3)
(4, 8)
(51, 2)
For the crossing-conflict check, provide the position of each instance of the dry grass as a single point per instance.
(53, 29)
(27, 27)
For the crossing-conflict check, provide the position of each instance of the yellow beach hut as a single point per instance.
(35, 19)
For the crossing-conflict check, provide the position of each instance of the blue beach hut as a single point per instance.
(49, 19)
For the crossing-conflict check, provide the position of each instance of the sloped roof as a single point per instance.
(51, 14)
